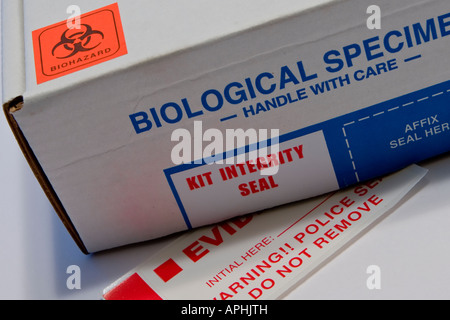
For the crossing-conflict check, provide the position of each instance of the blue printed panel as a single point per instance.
(391, 135)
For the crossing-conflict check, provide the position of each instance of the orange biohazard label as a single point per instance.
(64, 48)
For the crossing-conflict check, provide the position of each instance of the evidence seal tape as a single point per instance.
(262, 256)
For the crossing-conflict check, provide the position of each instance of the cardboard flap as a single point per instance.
(9, 108)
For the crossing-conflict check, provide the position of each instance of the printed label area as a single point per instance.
(261, 256)
(304, 170)
(60, 50)
(391, 135)
(337, 153)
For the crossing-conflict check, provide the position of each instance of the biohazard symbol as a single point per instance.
(60, 49)
(74, 41)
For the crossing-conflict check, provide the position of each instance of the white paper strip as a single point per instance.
(262, 256)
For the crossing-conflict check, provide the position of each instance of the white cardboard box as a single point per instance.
(94, 108)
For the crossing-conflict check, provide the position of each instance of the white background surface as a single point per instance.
(411, 246)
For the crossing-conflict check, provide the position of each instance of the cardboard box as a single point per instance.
(103, 104)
